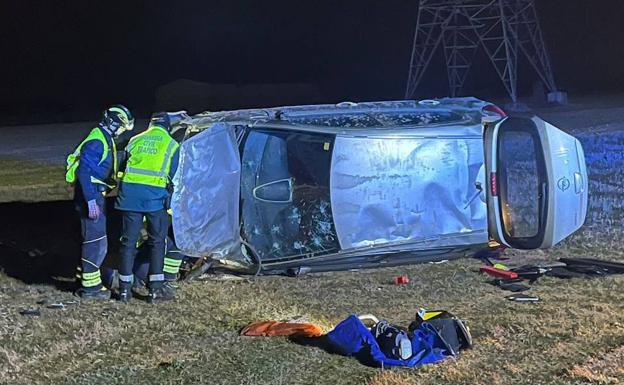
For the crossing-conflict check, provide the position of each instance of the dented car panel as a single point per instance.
(388, 189)
(206, 202)
(331, 187)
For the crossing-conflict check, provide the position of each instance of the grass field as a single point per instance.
(575, 335)
(32, 181)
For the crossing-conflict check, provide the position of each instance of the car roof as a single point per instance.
(355, 116)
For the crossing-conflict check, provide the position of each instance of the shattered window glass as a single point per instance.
(380, 119)
(285, 197)
(337, 120)
(418, 118)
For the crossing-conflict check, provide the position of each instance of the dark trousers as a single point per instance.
(94, 247)
(173, 257)
(171, 267)
(157, 227)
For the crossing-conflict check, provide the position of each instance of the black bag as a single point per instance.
(453, 331)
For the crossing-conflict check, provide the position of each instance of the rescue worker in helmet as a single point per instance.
(92, 168)
(151, 162)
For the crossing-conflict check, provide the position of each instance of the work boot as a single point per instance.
(102, 294)
(125, 295)
(159, 294)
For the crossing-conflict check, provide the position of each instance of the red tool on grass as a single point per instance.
(499, 273)
(401, 280)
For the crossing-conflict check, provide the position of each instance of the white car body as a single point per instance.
(351, 185)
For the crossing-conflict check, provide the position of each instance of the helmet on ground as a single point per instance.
(118, 118)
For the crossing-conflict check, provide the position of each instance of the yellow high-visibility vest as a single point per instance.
(149, 157)
(73, 159)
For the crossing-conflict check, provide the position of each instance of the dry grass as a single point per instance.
(561, 340)
(608, 369)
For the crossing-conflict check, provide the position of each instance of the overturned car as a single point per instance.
(356, 185)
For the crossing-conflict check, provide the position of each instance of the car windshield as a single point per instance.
(521, 184)
(286, 210)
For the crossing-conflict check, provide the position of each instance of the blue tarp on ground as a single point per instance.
(352, 337)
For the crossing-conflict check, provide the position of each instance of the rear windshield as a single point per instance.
(522, 184)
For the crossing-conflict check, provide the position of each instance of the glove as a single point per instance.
(94, 210)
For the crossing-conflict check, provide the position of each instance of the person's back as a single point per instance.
(151, 162)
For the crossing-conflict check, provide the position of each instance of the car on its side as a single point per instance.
(356, 185)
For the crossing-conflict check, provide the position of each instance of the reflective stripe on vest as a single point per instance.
(73, 159)
(149, 157)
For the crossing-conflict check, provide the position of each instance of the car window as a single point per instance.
(286, 209)
(520, 183)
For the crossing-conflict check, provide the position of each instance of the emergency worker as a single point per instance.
(92, 168)
(151, 162)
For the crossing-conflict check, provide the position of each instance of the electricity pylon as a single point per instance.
(503, 28)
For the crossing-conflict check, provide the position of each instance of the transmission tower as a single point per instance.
(503, 28)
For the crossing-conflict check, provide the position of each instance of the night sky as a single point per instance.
(61, 59)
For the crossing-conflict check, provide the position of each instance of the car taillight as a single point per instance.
(493, 184)
(495, 109)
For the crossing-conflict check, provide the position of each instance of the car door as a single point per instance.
(285, 200)
(537, 190)
(205, 201)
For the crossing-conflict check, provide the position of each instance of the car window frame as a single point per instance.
(243, 133)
